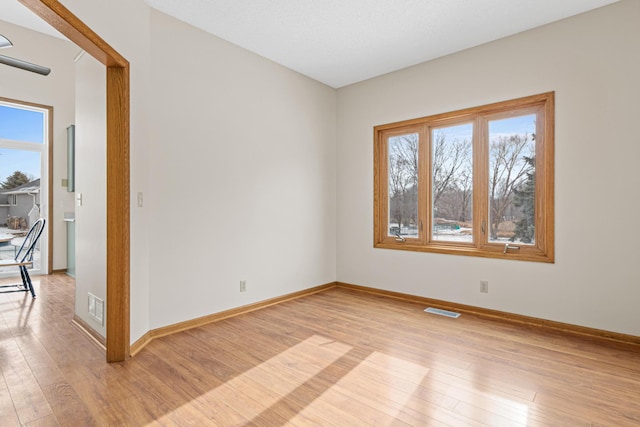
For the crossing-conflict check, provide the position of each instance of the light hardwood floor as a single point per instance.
(338, 358)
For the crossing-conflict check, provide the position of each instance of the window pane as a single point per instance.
(512, 180)
(19, 201)
(21, 125)
(403, 185)
(452, 179)
(18, 166)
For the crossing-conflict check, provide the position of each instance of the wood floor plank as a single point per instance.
(67, 405)
(28, 400)
(340, 357)
(8, 413)
(48, 421)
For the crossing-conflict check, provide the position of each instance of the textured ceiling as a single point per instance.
(340, 42)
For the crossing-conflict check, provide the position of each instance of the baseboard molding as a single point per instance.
(215, 317)
(59, 271)
(567, 328)
(139, 344)
(90, 332)
(503, 316)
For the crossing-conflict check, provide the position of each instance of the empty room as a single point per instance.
(320, 213)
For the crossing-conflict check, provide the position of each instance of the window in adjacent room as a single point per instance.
(25, 147)
(475, 182)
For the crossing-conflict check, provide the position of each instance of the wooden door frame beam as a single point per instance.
(118, 200)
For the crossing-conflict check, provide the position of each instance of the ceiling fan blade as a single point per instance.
(5, 42)
(24, 65)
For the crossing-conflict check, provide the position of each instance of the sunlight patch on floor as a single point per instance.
(493, 410)
(259, 388)
(379, 381)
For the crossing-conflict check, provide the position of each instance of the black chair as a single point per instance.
(24, 259)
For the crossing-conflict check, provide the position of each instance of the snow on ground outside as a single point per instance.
(10, 250)
(462, 234)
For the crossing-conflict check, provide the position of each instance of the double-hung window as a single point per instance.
(475, 182)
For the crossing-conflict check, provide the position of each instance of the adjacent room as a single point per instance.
(250, 206)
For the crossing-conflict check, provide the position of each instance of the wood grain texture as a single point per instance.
(338, 357)
(87, 329)
(61, 18)
(204, 320)
(118, 191)
(591, 333)
(118, 214)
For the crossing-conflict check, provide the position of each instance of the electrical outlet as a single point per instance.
(243, 286)
(484, 286)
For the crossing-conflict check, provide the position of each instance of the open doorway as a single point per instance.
(118, 194)
(25, 162)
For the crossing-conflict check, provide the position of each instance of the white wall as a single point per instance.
(57, 90)
(91, 184)
(592, 61)
(242, 167)
(124, 24)
(232, 137)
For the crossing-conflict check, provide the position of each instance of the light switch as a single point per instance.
(140, 199)
(78, 199)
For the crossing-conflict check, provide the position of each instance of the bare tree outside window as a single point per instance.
(403, 185)
(473, 182)
(510, 168)
(452, 183)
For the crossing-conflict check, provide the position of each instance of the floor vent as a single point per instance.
(442, 312)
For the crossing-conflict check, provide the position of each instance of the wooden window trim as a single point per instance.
(543, 248)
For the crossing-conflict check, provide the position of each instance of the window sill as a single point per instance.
(529, 253)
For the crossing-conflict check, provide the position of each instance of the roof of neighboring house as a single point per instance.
(32, 187)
